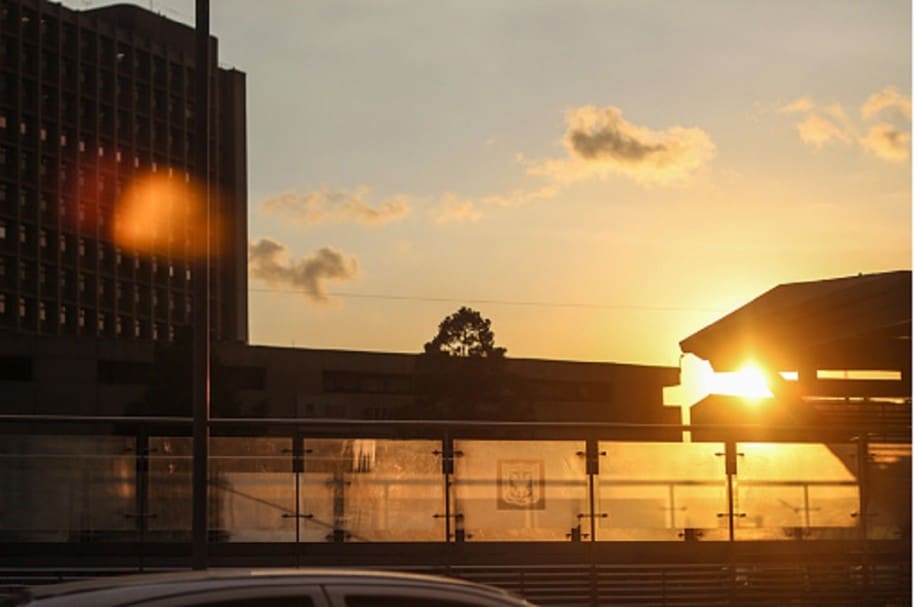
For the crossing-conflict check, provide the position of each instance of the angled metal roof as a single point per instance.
(855, 322)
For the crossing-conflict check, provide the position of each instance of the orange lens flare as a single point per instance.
(163, 215)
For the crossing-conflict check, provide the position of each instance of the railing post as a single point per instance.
(201, 324)
(142, 489)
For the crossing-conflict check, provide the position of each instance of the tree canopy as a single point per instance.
(465, 334)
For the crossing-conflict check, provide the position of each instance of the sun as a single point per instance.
(748, 382)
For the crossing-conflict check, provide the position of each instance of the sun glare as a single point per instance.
(748, 382)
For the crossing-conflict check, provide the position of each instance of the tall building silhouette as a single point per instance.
(91, 101)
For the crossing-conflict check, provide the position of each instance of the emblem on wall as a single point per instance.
(521, 484)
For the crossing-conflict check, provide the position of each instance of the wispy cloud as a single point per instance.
(822, 124)
(453, 209)
(338, 206)
(519, 197)
(803, 104)
(887, 142)
(816, 130)
(887, 98)
(599, 141)
(269, 262)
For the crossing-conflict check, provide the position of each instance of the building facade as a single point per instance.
(90, 102)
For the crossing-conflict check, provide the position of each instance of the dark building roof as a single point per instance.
(855, 322)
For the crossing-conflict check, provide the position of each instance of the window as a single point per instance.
(2, 231)
(82, 242)
(42, 311)
(43, 239)
(22, 307)
(63, 315)
(81, 318)
(101, 321)
(2, 304)
(63, 243)
(23, 237)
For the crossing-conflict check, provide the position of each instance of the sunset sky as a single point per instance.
(601, 179)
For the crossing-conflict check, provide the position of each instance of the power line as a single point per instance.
(504, 302)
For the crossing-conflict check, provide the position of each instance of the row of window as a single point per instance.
(106, 323)
(91, 47)
(175, 143)
(102, 85)
(84, 248)
(67, 280)
(139, 296)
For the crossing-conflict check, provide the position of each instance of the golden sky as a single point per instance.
(601, 179)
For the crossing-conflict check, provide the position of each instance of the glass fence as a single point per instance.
(81, 488)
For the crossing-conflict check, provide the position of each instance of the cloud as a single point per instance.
(817, 131)
(825, 123)
(887, 98)
(887, 142)
(452, 209)
(338, 206)
(600, 141)
(269, 262)
(520, 197)
(802, 104)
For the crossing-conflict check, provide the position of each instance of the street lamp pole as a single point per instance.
(201, 287)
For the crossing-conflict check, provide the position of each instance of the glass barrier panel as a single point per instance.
(661, 491)
(519, 490)
(170, 489)
(252, 489)
(372, 490)
(395, 488)
(888, 476)
(327, 461)
(797, 491)
(67, 488)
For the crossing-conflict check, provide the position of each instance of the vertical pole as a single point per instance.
(730, 457)
(592, 450)
(863, 510)
(201, 354)
(447, 467)
(142, 489)
(730, 466)
(298, 468)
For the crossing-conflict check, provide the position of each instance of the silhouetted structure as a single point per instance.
(837, 353)
(89, 100)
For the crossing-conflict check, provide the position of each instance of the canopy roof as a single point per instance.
(855, 322)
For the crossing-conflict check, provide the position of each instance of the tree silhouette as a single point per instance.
(462, 373)
(465, 333)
